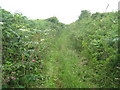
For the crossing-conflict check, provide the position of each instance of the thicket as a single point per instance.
(47, 53)
(95, 38)
(24, 47)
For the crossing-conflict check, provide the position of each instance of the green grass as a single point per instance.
(64, 68)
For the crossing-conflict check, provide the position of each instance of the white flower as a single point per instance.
(36, 42)
(26, 36)
(24, 30)
(46, 33)
(42, 40)
(23, 26)
(1, 23)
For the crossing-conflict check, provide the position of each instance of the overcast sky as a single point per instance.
(67, 11)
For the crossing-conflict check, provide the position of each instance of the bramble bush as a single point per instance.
(47, 53)
(24, 49)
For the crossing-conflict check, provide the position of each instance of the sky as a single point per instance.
(67, 11)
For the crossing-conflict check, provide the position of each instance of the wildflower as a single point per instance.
(1, 23)
(24, 30)
(13, 78)
(8, 77)
(46, 33)
(33, 60)
(13, 72)
(42, 40)
(36, 42)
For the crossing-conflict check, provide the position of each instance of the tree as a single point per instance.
(84, 14)
(53, 19)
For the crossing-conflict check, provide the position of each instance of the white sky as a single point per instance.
(67, 11)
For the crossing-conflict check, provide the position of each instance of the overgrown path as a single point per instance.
(64, 67)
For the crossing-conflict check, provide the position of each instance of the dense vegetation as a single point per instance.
(50, 54)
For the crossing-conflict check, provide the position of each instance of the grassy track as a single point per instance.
(50, 54)
(64, 66)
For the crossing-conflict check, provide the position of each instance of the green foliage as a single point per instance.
(24, 49)
(84, 14)
(48, 54)
(96, 40)
(53, 20)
